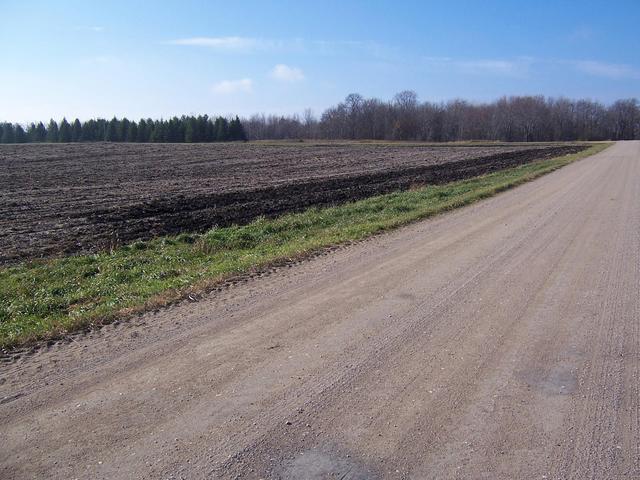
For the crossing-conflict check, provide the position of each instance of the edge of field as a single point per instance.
(48, 299)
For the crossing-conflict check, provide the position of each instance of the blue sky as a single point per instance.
(163, 58)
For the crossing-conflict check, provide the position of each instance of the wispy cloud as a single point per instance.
(285, 73)
(518, 67)
(340, 47)
(522, 67)
(218, 43)
(226, 87)
(94, 28)
(238, 44)
(513, 68)
(607, 70)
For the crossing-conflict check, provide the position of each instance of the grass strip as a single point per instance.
(46, 299)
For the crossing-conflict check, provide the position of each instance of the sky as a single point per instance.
(159, 58)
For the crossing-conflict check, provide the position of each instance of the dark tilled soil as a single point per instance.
(71, 198)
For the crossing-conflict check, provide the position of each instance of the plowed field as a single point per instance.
(69, 198)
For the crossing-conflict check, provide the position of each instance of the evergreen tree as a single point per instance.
(173, 131)
(191, 130)
(211, 132)
(31, 133)
(76, 131)
(153, 133)
(20, 134)
(242, 134)
(52, 131)
(232, 130)
(222, 129)
(64, 132)
(236, 130)
(8, 133)
(159, 132)
(201, 122)
(162, 131)
(101, 129)
(125, 124)
(132, 133)
(89, 131)
(41, 133)
(112, 130)
(143, 131)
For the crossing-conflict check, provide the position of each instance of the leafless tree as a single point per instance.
(517, 118)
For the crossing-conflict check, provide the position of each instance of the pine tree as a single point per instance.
(20, 135)
(112, 129)
(41, 132)
(64, 132)
(159, 132)
(242, 134)
(89, 131)
(132, 133)
(232, 130)
(162, 131)
(190, 130)
(124, 129)
(52, 131)
(236, 130)
(222, 129)
(173, 132)
(101, 129)
(143, 132)
(211, 132)
(202, 127)
(76, 131)
(8, 133)
(32, 135)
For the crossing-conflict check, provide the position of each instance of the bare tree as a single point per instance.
(518, 118)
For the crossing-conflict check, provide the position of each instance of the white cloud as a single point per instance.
(521, 67)
(494, 67)
(240, 44)
(607, 70)
(286, 73)
(94, 28)
(219, 43)
(226, 87)
(342, 47)
(518, 67)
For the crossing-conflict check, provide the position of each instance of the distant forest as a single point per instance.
(511, 119)
(517, 119)
(178, 130)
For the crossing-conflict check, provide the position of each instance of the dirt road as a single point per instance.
(498, 341)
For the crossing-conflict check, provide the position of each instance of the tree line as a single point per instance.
(187, 129)
(517, 118)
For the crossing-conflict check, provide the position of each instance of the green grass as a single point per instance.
(46, 299)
